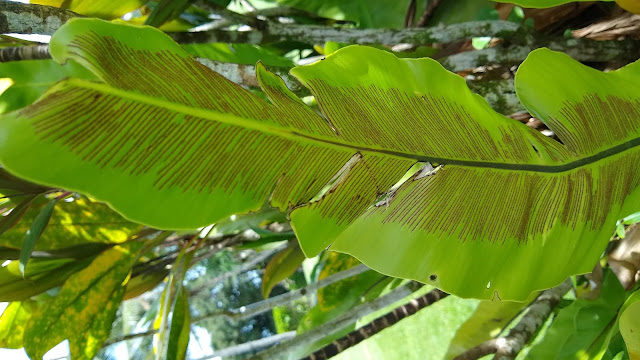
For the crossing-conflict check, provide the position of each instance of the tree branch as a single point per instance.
(259, 307)
(313, 34)
(334, 325)
(31, 52)
(357, 336)
(228, 17)
(251, 346)
(428, 13)
(128, 337)
(262, 256)
(22, 18)
(584, 50)
(508, 347)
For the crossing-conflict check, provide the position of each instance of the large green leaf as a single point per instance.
(84, 309)
(164, 131)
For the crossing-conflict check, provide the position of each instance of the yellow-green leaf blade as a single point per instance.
(12, 323)
(86, 303)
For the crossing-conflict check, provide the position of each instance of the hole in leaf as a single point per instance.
(433, 277)
(489, 285)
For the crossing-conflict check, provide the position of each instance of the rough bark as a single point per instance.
(22, 18)
(312, 34)
(357, 336)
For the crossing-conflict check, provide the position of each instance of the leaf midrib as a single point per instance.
(335, 143)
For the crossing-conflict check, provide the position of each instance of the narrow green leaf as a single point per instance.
(8, 181)
(143, 283)
(620, 230)
(166, 10)
(33, 234)
(16, 214)
(180, 327)
(631, 219)
(281, 266)
(41, 275)
(12, 323)
(85, 306)
(173, 318)
(630, 329)
(368, 14)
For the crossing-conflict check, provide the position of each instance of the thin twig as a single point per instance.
(262, 256)
(259, 307)
(508, 347)
(410, 15)
(128, 337)
(428, 13)
(334, 325)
